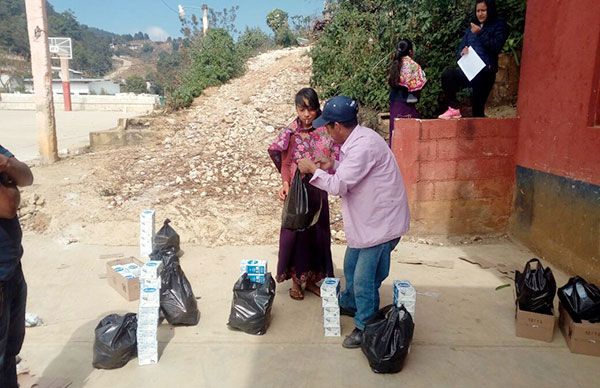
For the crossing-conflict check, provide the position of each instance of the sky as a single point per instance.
(159, 18)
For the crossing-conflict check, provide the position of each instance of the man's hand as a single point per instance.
(284, 190)
(17, 171)
(464, 51)
(307, 166)
(475, 28)
(325, 163)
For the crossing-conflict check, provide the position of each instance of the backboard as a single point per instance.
(60, 48)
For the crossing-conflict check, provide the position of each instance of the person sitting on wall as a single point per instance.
(486, 36)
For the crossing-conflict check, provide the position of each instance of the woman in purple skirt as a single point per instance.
(304, 255)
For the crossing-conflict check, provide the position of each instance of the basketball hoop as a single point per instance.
(60, 48)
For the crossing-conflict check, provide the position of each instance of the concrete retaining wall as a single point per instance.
(459, 174)
(118, 103)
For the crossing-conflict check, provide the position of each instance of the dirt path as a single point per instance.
(208, 171)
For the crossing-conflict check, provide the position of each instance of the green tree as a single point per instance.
(277, 20)
(135, 84)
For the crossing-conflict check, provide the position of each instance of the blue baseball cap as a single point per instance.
(338, 109)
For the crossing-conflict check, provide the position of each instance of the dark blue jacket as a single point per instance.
(488, 43)
(11, 249)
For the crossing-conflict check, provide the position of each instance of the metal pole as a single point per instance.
(66, 85)
(37, 28)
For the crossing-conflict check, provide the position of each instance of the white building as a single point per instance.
(80, 87)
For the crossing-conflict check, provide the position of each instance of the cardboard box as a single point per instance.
(332, 331)
(534, 325)
(583, 338)
(127, 286)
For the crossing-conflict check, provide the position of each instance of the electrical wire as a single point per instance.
(168, 6)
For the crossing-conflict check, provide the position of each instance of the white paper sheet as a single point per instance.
(471, 64)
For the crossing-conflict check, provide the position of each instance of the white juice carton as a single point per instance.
(147, 231)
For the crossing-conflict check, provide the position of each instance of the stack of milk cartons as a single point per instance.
(128, 271)
(147, 231)
(147, 329)
(256, 270)
(330, 293)
(405, 295)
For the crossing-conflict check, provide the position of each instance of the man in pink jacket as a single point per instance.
(374, 207)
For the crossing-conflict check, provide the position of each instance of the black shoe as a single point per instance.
(347, 312)
(354, 340)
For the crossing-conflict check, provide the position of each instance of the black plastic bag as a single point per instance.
(251, 305)
(177, 300)
(165, 237)
(302, 206)
(535, 288)
(116, 341)
(167, 255)
(387, 338)
(581, 299)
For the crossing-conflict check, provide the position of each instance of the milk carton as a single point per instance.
(150, 297)
(331, 321)
(257, 278)
(147, 231)
(256, 270)
(151, 269)
(405, 295)
(147, 351)
(133, 269)
(331, 311)
(253, 267)
(330, 287)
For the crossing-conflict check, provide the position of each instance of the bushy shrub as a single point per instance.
(253, 41)
(354, 52)
(213, 60)
(135, 84)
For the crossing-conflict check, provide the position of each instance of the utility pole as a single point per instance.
(41, 68)
(204, 19)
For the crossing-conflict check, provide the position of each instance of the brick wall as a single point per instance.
(459, 174)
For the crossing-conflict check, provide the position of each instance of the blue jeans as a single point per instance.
(13, 295)
(365, 269)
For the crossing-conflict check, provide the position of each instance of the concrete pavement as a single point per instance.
(464, 333)
(18, 130)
